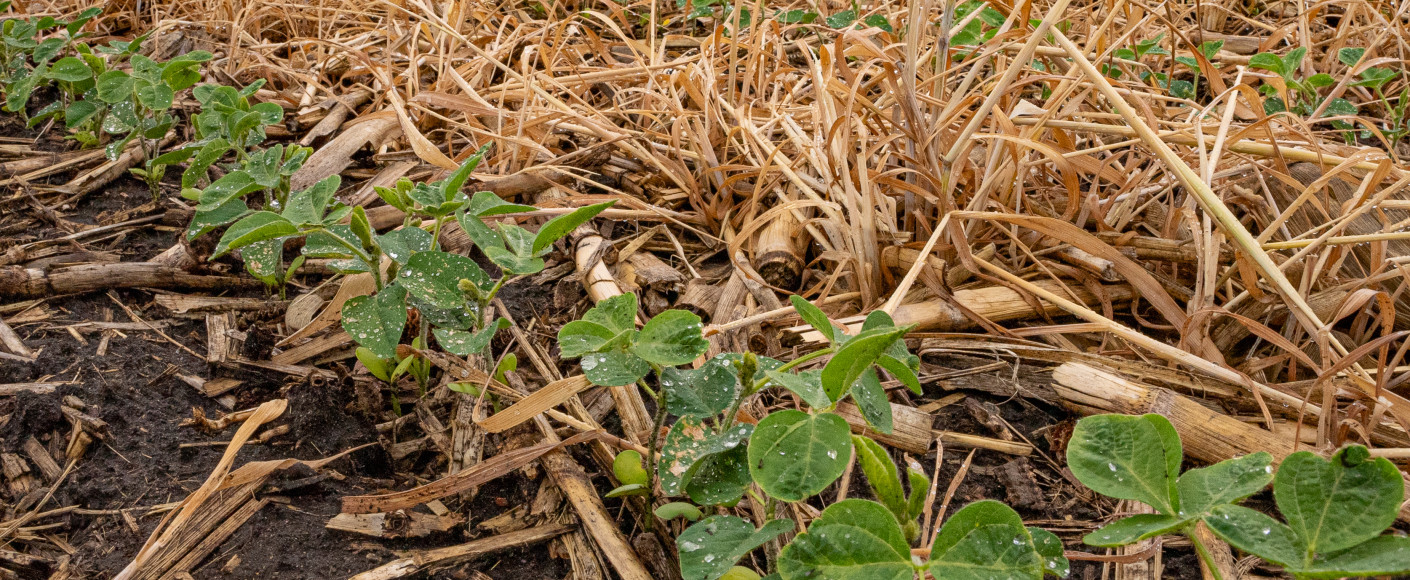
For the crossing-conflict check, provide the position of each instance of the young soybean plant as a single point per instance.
(1138, 458)
(790, 455)
(450, 291)
(1335, 510)
(25, 58)
(138, 104)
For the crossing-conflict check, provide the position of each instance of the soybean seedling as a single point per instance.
(1335, 511)
(139, 103)
(1138, 458)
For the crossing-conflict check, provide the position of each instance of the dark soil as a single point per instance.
(142, 463)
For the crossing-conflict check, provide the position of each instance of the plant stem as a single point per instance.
(652, 445)
(373, 260)
(1205, 556)
(436, 235)
(771, 554)
(652, 450)
(759, 384)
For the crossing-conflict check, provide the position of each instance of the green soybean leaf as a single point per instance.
(435, 278)
(580, 337)
(512, 264)
(486, 204)
(452, 184)
(1339, 107)
(403, 243)
(872, 402)
(1381, 556)
(699, 393)
(206, 221)
(51, 109)
(486, 239)
(920, 485)
(1293, 60)
(1350, 56)
(361, 227)
(79, 113)
(262, 260)
(47, 49)
(70, 69)
(326, 244)
(720, 478)
(459, 318)
(392, 198)
(686, 443)
(1320, 80)
(307, 207)
(1273, 105)
(985, 539)
(114, 86)
(1174, 449)
(1334, 505)
(855, 357)
(207, 155)
(1228, 481)
(613, 369)
(155, 97)
(269, 113)
(1182, 89)
(807, 385)
(1133, 529)
(617, 313)
(1256, 533)
(901, 371)
(256, 227)
(1210, 48)
(852, 540)
(115, 147)
(796, 17)
(842, 19)
(794, 455)
(560, 226)
(673, 337)
(230, 186)
(1124, 457)
(879, 21)
(378, 366)
(517, 239)
(1267, 61)
(814, 316)
(463, 343)
(376, 322)
(1050, 552)
(19, 92)
(158, 127)
(710, 547)
(627, 490)
(882, 475)
(426, 194)
(1376, 77)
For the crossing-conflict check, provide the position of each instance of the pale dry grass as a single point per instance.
(871, 139)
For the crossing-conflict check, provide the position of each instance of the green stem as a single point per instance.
(759, 384)
(771, 554)
(652, 450)
(494, 291)
(372, 260)
(1205, 556)
(436, 235)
